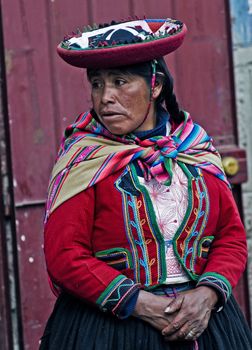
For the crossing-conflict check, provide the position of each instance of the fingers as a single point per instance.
(187, 332)
(188, 324)
(175, 305)
(179, 320)
(175, 328)
(193, 335)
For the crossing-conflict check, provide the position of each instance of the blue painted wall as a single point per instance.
(241, 14)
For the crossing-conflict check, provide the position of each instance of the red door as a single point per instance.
(45, 94)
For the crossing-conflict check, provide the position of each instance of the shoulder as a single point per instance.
(217, 186)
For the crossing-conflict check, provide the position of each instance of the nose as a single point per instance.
(108, 95)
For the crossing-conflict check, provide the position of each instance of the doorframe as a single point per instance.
(10, 311)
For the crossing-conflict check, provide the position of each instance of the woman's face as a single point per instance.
(121, 101)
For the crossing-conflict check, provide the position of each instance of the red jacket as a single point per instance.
(104, 244)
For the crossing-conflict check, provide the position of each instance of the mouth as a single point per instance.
(111, 114)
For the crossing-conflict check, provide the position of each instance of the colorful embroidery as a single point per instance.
(187, 237)
(158, 270)
(135, 234)
(204, 246)
(125, 179)
(201, 218)
(135, 208)
(118, 258)
(131, 32)
(119, 291)
(218, 282)
(170, 204)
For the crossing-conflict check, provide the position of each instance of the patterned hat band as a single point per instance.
(124, 43)
(121, 34)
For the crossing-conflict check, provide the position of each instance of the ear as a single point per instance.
(157, 88)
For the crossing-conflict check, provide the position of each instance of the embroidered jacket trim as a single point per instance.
(117, 294)
(218, 282)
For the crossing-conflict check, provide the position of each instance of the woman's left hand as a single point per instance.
(194, 310)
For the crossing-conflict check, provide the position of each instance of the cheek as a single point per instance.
(135, 101)
(95, 102)
(140, 104)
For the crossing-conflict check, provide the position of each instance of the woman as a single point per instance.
(143, 241)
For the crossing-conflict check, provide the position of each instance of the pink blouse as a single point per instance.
(170, 204)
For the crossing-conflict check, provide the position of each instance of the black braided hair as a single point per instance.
(167, 94)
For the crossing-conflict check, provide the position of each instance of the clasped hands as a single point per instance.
(182, 318)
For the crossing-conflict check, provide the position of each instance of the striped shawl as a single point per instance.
(90, 153)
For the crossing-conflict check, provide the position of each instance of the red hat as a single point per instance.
(122, 43)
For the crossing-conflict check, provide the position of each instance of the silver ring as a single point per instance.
(191, 334)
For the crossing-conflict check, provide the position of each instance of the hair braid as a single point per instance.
(172, 107)
(167, 94)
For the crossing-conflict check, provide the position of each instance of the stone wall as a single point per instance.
(241, 19)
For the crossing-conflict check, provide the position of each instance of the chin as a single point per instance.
(118, 130)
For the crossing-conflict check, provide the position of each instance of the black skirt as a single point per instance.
(75, 325)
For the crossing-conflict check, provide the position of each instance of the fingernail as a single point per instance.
(176, 326)
(168, 309)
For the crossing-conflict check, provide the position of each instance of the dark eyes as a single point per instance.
(120, 82)
(98, 84)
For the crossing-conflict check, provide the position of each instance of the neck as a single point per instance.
(150, 119)
(161, 129)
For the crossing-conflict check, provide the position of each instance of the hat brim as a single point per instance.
(123, 55)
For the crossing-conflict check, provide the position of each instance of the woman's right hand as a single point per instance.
(151, 308)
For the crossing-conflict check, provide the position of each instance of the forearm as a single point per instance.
(71, 263)
(92, 280)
